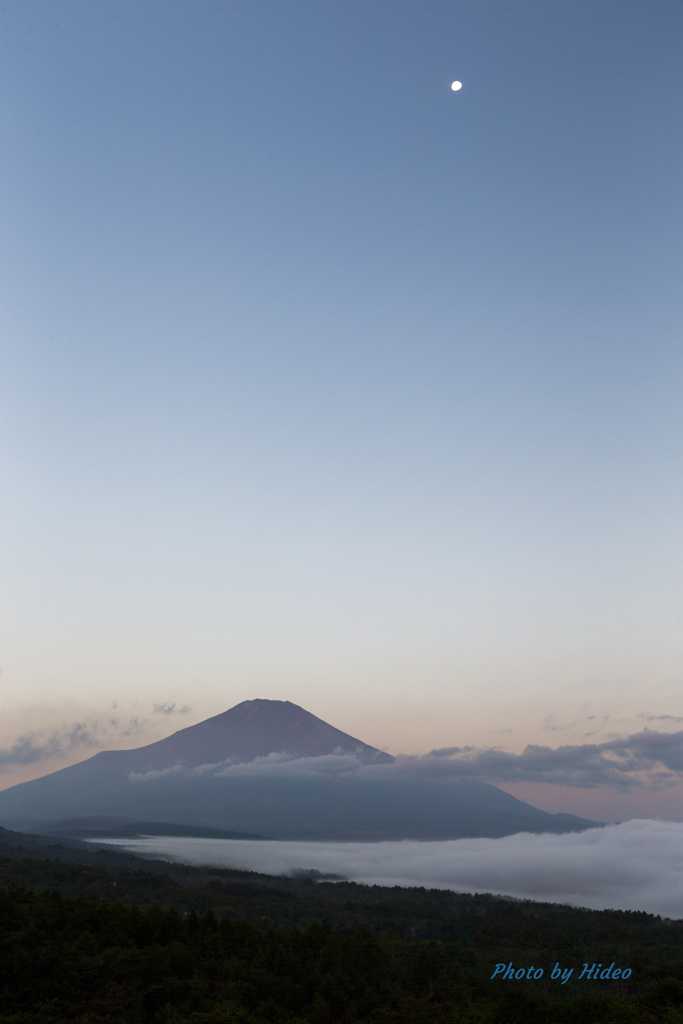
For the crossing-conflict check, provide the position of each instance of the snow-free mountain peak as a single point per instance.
(252, 729)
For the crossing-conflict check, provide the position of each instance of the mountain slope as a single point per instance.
(254, 728)
(317, 782)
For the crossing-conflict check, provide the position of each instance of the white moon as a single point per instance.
(455, 86)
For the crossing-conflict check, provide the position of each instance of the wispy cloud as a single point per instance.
(282, 764)
(42, 745)
(127, 727)
(632, 866)
(171, 708)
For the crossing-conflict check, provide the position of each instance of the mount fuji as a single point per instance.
(269, 767)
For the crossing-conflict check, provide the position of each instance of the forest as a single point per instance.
(94, 936)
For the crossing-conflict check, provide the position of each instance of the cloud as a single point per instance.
(43, 745)
(161, 773)
(40, 746)
(281, 763)
(326, 764)
(633, 866)
(131, 727)
(171, 708)
(647, 759)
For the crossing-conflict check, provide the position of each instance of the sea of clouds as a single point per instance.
(636, 865)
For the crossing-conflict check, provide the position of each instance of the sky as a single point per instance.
(322, 382)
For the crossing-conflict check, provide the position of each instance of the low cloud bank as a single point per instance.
(649, 759)
(645, 758)
(281, 764)
(637, 865)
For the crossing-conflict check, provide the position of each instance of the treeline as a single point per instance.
(106, 944)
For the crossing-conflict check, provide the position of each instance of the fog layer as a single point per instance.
(637, 865)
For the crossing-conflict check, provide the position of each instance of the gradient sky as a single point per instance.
(322, 382)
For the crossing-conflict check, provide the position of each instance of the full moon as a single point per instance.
(455, 86)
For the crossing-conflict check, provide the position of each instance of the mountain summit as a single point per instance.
(252, 729)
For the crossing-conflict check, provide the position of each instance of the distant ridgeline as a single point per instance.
(270, 768)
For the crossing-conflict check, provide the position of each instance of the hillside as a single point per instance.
(106, 938)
